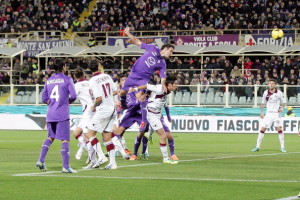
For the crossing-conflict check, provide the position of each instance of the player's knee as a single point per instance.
(51, 139)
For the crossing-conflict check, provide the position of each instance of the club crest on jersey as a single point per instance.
(150, 61)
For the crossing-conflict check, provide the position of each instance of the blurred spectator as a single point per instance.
(249, 91)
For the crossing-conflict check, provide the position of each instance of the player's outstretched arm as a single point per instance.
(135, 40)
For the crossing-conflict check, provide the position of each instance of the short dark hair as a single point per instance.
(78, 73)
(170, 80)
(168, 46)
(58, 65)
(274, 80)
(94, 66)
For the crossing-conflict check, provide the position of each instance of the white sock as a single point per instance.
(281, 139)
(82, 142)
(118, 145)
(111, 152)
(123, 142)
(97, 148)
(92, 153)
(260, 139)
(164, 152)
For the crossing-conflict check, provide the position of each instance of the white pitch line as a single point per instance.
(161, 178)
(289, 198)
(148, 164)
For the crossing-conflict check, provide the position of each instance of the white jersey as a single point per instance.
(158, 98)
(84, 94)
(103, 86)
(273, 100)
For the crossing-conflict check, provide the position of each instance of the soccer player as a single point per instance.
(155, 104)
(169, 135)
(58, 92)
(142, 70)
(103, 89)
(275, 102)
(134, 115)
(84, 94)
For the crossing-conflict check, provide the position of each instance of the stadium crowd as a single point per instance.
(23, 16)
(192, 15)
(19, 16)
(217, 71)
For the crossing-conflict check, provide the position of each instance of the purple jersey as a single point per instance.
(149, 62)
(58, 91)
(133, 105)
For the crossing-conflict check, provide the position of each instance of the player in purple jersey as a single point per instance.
(133, 115)
(142, 70)
(58, 93)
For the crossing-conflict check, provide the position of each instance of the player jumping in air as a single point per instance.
(58, 92)
(156, 102)
(142, 70)
(84, 94)
(275, 102)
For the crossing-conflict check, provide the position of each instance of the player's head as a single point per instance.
(95, 66)
(272, 83)
(171, 83)
(59, 65)
(167, 50)
(79, 73)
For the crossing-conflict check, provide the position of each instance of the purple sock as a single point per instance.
(45, 147)
(65, 154)
(137, 145)
(145, 145)
(171, 146)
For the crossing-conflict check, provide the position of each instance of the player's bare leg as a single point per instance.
(281, 139)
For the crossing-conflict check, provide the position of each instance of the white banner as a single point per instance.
(197, 124)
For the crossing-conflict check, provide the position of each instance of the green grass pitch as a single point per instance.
(213, 166)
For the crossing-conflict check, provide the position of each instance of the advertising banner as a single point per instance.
(35, 47)
(125, 42)
(192, 124)
(251, 40)
(207, 40)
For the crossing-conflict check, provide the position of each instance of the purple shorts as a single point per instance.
(130, 118)
(165, 127)
(59, 130)
(133, 81)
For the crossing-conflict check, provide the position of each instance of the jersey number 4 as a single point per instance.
(54, 94)
(106, 89)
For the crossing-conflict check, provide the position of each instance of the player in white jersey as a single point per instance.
(156, 102)
(275, 103)
(103, 89)
(84, 94)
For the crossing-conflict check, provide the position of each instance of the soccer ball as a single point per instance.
(277, 34)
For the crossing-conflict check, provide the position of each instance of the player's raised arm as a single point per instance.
(135, 40)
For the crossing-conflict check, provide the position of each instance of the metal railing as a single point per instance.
(186, 95)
